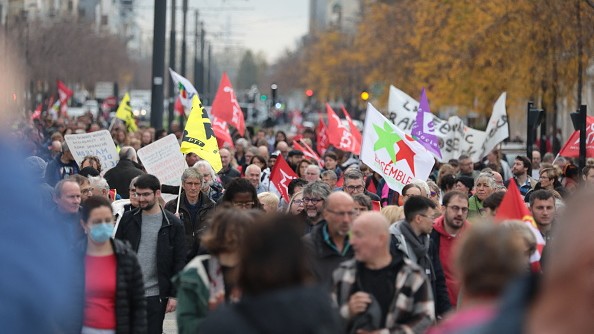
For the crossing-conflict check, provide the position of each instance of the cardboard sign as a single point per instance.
(164, 160)
(97, 143)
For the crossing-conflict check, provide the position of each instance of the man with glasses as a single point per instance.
(411, 237)
(194, 208)
(157, 237)
(328, 242)
(354, 183)
(314, 196)
(467, 167)
(446, 233)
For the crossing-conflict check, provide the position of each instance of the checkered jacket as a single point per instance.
(412, 309)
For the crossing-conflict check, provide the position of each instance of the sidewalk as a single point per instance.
(170, 325)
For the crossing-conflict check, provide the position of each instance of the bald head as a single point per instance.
(339, 197)
(370, 239)
(373, 222)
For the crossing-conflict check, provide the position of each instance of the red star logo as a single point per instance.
(406, 153)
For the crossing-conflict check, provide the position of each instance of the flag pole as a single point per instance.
(179, 194)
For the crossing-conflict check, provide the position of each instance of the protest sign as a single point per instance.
(97, 143)
(164, 160)
(455, 138)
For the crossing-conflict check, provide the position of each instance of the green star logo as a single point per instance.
(386, 139)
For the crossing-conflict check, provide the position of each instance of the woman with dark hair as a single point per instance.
(273, 277)
(301, 167)
(280, 136)
(113, 286)
(208, 280)
(241, 194)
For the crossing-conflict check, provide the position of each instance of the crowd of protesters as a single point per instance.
(345, 254)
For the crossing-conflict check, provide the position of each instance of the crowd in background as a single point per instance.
(344, 254)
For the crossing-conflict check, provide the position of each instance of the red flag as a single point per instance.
(571, 149)
(513, 207)
(64, 92)
(179, 107)
(221, 131)
(225, 105)
(281, 175)
(354, 130)
(321, 137)
(37, 113)
(339, 135)
(307, 152)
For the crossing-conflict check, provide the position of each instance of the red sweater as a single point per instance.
(446, 245)
(100, 291)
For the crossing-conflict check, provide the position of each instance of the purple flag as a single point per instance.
(423, 129)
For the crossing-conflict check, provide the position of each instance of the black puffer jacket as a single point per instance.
(193, 227)
(130, 304)
(171, 247)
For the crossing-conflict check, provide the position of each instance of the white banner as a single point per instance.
(164, 159)
(97, 143)
(498, 127)
(455, 138)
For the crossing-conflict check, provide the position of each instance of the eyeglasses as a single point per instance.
(193, 184)
(298, 201)
(144, 194)
(354, 188)
(433, 193)
(243, 204)
(456, 208)
(312, 200)
(343, 213)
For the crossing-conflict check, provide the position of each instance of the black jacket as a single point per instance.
(130, 304)
(120, 176)
(323, 259)
(171, 247)
(193, 228)
(228, 174)
(292, 310)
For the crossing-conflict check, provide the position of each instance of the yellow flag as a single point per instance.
(125, 113)
(199, 136)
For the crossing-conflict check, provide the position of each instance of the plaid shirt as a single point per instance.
(411, 310)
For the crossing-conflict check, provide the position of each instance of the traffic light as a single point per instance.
(364, 96)
(309, 92)
(263, 97)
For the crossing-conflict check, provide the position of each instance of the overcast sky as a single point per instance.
(270, 26)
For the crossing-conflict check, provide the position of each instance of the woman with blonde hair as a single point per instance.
(393, 213)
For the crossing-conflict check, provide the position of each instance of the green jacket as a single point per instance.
(192, 295)
(475, 206)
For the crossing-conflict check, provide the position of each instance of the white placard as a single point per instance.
(164, 160)
(97, 143)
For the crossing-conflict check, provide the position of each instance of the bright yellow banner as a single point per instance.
(199, 136)
(124, 113)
